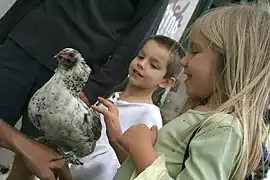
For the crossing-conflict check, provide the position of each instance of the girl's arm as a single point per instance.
(212, 156)
(143, 157)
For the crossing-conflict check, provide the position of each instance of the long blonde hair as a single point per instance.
(241, 35)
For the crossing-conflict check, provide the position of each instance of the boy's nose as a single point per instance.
(140, 64)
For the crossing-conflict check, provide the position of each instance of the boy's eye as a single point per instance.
(154, 66)
(140, 57)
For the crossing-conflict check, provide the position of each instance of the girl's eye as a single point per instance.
(194, 51)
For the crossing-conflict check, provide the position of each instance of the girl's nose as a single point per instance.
(184, 61)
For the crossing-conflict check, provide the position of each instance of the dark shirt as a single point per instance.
(106, 32)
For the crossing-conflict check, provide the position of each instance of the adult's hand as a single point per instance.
(35, 156)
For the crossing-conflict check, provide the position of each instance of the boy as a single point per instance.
(156, 65)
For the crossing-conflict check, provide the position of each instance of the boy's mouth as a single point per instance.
(137, 72)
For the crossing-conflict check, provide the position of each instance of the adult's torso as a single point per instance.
(91, 26)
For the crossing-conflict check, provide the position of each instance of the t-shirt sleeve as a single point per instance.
(151, 117)
(211, 157)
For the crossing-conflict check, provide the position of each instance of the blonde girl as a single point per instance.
(228, 84)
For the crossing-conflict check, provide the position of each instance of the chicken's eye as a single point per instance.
(71, 55)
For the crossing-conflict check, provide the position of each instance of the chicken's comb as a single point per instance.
(61, 53)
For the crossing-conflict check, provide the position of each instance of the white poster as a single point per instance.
(176, 18)
(5, 5)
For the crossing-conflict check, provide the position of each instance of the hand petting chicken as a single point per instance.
(66, 123)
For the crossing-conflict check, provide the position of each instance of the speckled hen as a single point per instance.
(64, 120)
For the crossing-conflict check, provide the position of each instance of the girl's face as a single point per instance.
(199, 66)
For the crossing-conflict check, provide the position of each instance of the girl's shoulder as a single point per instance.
(223, 121)
(210, 116)
(210, 120)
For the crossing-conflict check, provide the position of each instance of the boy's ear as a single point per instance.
(168, 82)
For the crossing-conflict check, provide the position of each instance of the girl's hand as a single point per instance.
(138, 140)
(111, 118)
(138, 137)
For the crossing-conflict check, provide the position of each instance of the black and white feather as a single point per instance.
(64, 120)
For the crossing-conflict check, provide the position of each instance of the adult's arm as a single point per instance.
(8, 137)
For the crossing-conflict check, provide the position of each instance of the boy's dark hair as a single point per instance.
(176, 53)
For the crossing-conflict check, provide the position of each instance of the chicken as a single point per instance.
(66, 123)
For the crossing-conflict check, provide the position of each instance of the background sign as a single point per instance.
(176, 18)
(173, 24)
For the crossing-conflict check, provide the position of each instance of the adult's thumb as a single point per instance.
(48, 176)
(64, 173)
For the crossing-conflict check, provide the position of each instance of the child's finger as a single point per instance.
(154, 131)
(84, 98)
(111, 107)
(101, 110)
(107, 115)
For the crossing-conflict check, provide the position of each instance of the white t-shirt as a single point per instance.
(102, 164)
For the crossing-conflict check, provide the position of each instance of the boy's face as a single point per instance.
(148, 68)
